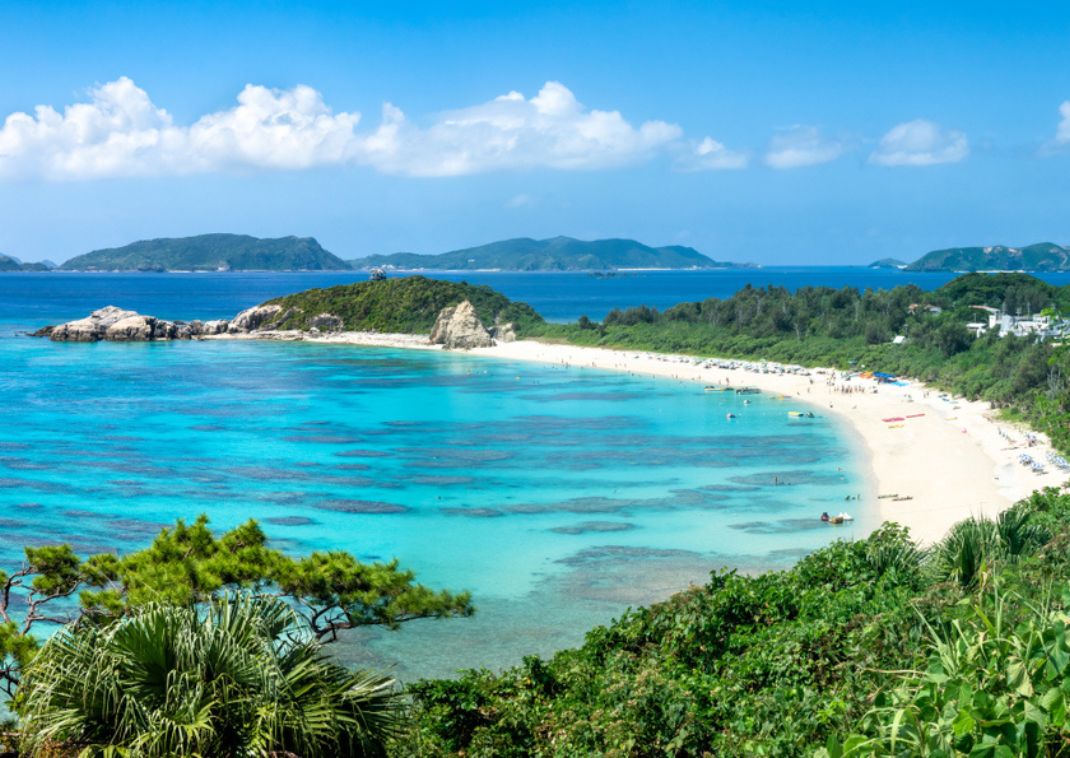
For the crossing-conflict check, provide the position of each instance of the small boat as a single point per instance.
(715, 388)
(747, 391)
(746, 402)
(729, 416)
(845, 517)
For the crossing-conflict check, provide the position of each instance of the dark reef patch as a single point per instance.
(782, 526)
(290, 521)
(343, 505)
(587, 527)
(473, 512)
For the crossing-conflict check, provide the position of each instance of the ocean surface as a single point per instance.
(558, 496)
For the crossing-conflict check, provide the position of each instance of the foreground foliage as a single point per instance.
(189, 564)
(871, 647)
(238, 677)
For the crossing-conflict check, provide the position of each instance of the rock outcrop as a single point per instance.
(117, 325)
(92, 328)
(503, 332)
(458, 328)
(255, 318)
(216, 326)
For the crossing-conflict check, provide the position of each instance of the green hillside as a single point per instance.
(406, 305)
(556, 254)
(7, 263)
(211, 252)
(1043, 256)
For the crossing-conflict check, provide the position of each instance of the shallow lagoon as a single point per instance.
(558, 496)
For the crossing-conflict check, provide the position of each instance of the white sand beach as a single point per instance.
(950, 456)
(945, 458)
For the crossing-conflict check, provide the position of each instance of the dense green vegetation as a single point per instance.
(211, 252)
(873, 647)
(1043, 256)
(238, 677)
(407, 305)
(846, 328)
(555, 254)
(188, 565)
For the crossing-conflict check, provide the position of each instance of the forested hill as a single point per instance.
(1043, 256)
(408, 305)
(211, 252)
(8, 263)
(555, 254)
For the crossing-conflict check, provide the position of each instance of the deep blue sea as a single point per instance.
(558, 496)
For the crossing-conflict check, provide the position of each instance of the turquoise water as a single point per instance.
(558, 496)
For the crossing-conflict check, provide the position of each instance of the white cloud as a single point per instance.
(120, 132)
(711, 155)
(799, 146)
(520, 201)
(1062, 135)
(920, 143)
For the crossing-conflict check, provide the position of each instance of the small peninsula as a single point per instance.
(1042, 256)
(457, 315)
(211, 252)
(554, 254)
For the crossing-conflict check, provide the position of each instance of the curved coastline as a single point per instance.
(951, 457)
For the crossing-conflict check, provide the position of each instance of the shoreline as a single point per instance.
(951, 457)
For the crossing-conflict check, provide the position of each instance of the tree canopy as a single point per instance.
(190, 564)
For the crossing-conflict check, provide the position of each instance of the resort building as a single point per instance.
(1040, 325)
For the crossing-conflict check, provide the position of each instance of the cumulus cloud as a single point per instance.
(799, 146)
(920, 143)
(119, 131)
(711, 155)
(1062, 135)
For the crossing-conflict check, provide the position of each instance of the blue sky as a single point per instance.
(771, 132)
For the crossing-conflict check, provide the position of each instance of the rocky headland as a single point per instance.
(457, 327)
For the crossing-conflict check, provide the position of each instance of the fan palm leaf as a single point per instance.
(237, 677)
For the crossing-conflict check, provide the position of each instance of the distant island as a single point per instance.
(211, 252)
(10, 263)
(554, 254)
(1043, 256)
(888, 263)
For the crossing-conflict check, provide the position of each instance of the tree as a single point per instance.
(239, 676)
(187, 565)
